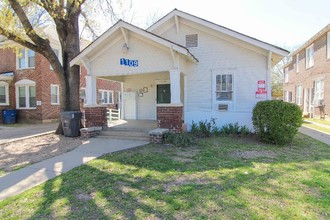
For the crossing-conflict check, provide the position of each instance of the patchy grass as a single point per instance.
(320, 121)
(317, 127)
(219, 178)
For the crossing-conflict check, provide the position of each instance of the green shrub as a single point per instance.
(276, 121)
(204, 128)
(234, 128)
(179, 139)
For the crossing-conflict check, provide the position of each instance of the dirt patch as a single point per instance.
(185, 155)
(21, 153)
(188, 180)
(254, 154)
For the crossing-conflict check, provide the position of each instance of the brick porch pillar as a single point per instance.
(170, 117)
(95, 116)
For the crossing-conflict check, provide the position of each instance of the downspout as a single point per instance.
(269, 76)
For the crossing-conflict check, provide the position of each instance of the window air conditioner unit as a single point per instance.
(223, 107)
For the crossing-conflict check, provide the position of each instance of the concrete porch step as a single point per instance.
(126, 135)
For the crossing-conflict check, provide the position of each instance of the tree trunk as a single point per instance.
(70, 82)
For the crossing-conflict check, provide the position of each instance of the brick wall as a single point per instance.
(95, 117)
(170, 117)
(104, 84)
(306, 77)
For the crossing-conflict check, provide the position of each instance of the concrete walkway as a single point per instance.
(18, 181)
(320, 136)
(19, 132)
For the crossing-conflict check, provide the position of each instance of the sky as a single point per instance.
(285, 23)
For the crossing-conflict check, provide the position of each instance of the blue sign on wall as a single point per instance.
(128, 62)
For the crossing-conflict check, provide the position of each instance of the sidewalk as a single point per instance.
(18, 132)
(320, 136)
(18, 181)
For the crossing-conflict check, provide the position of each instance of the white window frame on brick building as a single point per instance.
(319, 90)
(328, 45)
(105, 96)
(286, 75)
(299, 94)
(54, 94)
(25, 59)
(4, 91)
(297, 63)
(83, 95)
(310, 56)
(28, 89)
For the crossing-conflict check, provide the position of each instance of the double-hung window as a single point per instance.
(319, 90)
(286, 75)
(83, 95)
(54, 94)
(26, 58)
(299, 95)
(4, 94)
(26, 94)
(106, 97)
(224, 87)
(310, 56)
(297, 63)
(328, 45)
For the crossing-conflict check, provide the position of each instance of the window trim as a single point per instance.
(299, 96)
(26, 58)
(26, 83)
(58, 94)
(309, 56)
(81, 95)
(297, 63)
(319, 94)
(286, 75)
(102, 96)
(6, 85)
(328, 45)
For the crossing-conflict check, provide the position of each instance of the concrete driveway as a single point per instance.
(14, 132)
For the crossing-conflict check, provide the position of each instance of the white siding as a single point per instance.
(151, 59)
(214, 54)
(146, 105)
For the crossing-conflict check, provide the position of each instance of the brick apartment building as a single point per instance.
(307, 75)
(28, 84)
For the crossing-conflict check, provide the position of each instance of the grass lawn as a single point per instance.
(219, 178)
(324, 122)
(317, 127)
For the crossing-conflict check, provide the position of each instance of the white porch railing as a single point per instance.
(113, 114)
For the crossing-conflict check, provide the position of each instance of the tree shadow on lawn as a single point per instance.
(147, 183)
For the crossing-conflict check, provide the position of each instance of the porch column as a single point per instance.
(90, 90)
(175, 86)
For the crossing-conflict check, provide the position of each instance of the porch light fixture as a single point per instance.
(125, 48)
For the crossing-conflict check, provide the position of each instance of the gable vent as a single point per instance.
(223, 107)
(192, 40)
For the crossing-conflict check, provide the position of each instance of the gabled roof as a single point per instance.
(222, 29)
(311, 40)
(148, 35)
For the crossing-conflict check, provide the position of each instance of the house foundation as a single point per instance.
(170, 117)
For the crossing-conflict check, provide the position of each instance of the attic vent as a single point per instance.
(223, 107)
(192, 40)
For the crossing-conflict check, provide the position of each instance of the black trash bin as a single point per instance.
(71, 123)
(9, 116)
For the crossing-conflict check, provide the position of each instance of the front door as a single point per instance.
(130, 105)
(163, 94)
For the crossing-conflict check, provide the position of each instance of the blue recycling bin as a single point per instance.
(9, 116)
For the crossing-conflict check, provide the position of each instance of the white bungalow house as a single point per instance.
(182, 69)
